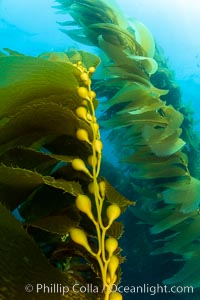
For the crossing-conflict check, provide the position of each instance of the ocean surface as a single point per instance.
(30, 27)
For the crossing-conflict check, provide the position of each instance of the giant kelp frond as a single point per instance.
(22, 81)
(94, 12)
(143, 36)
(148, 122)
(23, 265)
(50, 159)
(109, 31)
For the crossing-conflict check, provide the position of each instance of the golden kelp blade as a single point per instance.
(186, 195)
(143, 36)
(25, 76)
(26, 265)
(189, 272)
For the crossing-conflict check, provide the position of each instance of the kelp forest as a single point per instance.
(99, 165)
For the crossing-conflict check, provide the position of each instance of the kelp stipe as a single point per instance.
(50, 154)
(150, 125)
(105, 253)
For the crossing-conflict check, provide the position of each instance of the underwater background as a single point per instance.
(30, 27)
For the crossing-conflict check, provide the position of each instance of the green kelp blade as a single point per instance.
(88, 59)
(185, 236)
(86, 15)
(78, 36)
(150, 217)
(168, 146)
(70, 100)
(189, 274)
(30, 159)
(137, 95)
(114, 52)
(133, 109)
(16, 184)
(55, 56)
(143, 36)
(146, 156)
(149, 166)
(116, 230)
(170, 221)
(157, 172)
(23, 264)
(118, 36)
(147, 63)
(174, 117)
(100, 8)
(46, 201)
(113, 196)
(12, 52)
(130, 92)
(75, 56)
(2, 54)
(122, 72)
(48, 123)
(24, 78)
(66, 145)
(188, 195)
(71, 187)
(88, 12)
(60, 223)
(129, 119)
(121, 59)
(157, 134)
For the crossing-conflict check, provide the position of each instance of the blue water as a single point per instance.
(30, 27)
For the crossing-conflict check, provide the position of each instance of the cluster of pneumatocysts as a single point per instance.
(105, 253)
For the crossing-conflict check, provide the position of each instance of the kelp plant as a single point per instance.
(148, 126)
(50, 159)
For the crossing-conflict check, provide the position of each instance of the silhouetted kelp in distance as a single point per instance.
(50, 159)
(148, 122)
